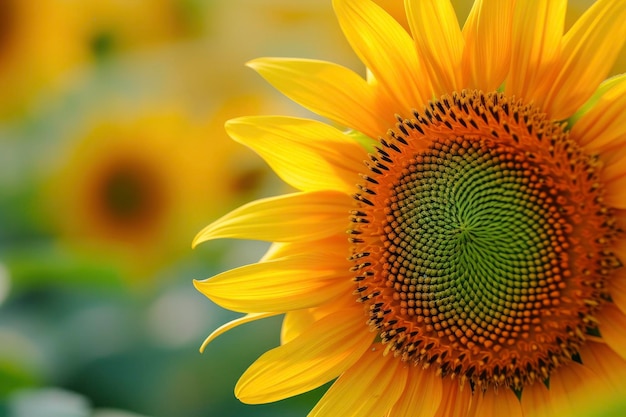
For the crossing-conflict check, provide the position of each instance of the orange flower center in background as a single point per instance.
(128, 199)
(481, 243)
(8, 15)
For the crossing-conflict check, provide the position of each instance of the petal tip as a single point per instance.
(197, 283)
(256, 63)
(198, 239)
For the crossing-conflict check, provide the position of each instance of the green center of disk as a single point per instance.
(473, 232)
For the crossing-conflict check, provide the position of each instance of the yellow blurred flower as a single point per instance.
(31, 41)
(136, 186)
(113, 27)
(43, 41)
(482, 271)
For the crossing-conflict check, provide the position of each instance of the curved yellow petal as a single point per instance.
(601, 124)
(298, 321)
(536, 46)
(575, 10)
(439, 42)
(329, 347)
(306, 154)
(496, 404)
(274, 250)
(294, 324)
(395, 8)
(589, 50)
(487, 34)
(614, 178)
(232, 324)
(605, 363)
(600, 127)
(422, 395)
(336, 245)
(536, 401)
(618, 291)
(283, 284)
(613, 328)
(329, 90)
(569, 384)
(338, 249)
(617, 283)
(387, 50)
(455, 402)
(369, 388)
(290, 217)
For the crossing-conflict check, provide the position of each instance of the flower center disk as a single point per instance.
(480, 241)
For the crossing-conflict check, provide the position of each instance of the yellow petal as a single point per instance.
(439, 42)
(614, 180)
(329, 90)
(601, 128)
(283, 284)
(487, 53)
(297, 322)
(422, 395)
(602, 123)
(613, 328)
(605, 363)
(589, 50)
(617, 283)
(325, 350)
(336, 245)
(306, 154)
(274, 250)
(369, 388)
(294, 324)
(536, 42)
(285, 218)
(536, 401)
(387, 50)
(569, 385)
(617, 286)
(232, 324)
(496, 404)
(455, 402)
(575, 9)
(619, 247)
(396, 9)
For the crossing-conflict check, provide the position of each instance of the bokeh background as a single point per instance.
(112, 157)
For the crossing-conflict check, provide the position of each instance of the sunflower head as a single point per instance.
(131, 185)
(481, 248)
(476, 175)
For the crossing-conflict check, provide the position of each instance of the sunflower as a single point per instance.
(126, 188)
(108, 28)
(41, 42)
(479, 174)
(32, 51)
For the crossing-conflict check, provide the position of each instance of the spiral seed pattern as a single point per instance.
(480, 241)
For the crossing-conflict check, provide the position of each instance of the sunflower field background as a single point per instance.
(112, 157)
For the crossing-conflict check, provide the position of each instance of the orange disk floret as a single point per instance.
(482, 244)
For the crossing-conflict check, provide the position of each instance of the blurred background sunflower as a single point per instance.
(112, 157)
